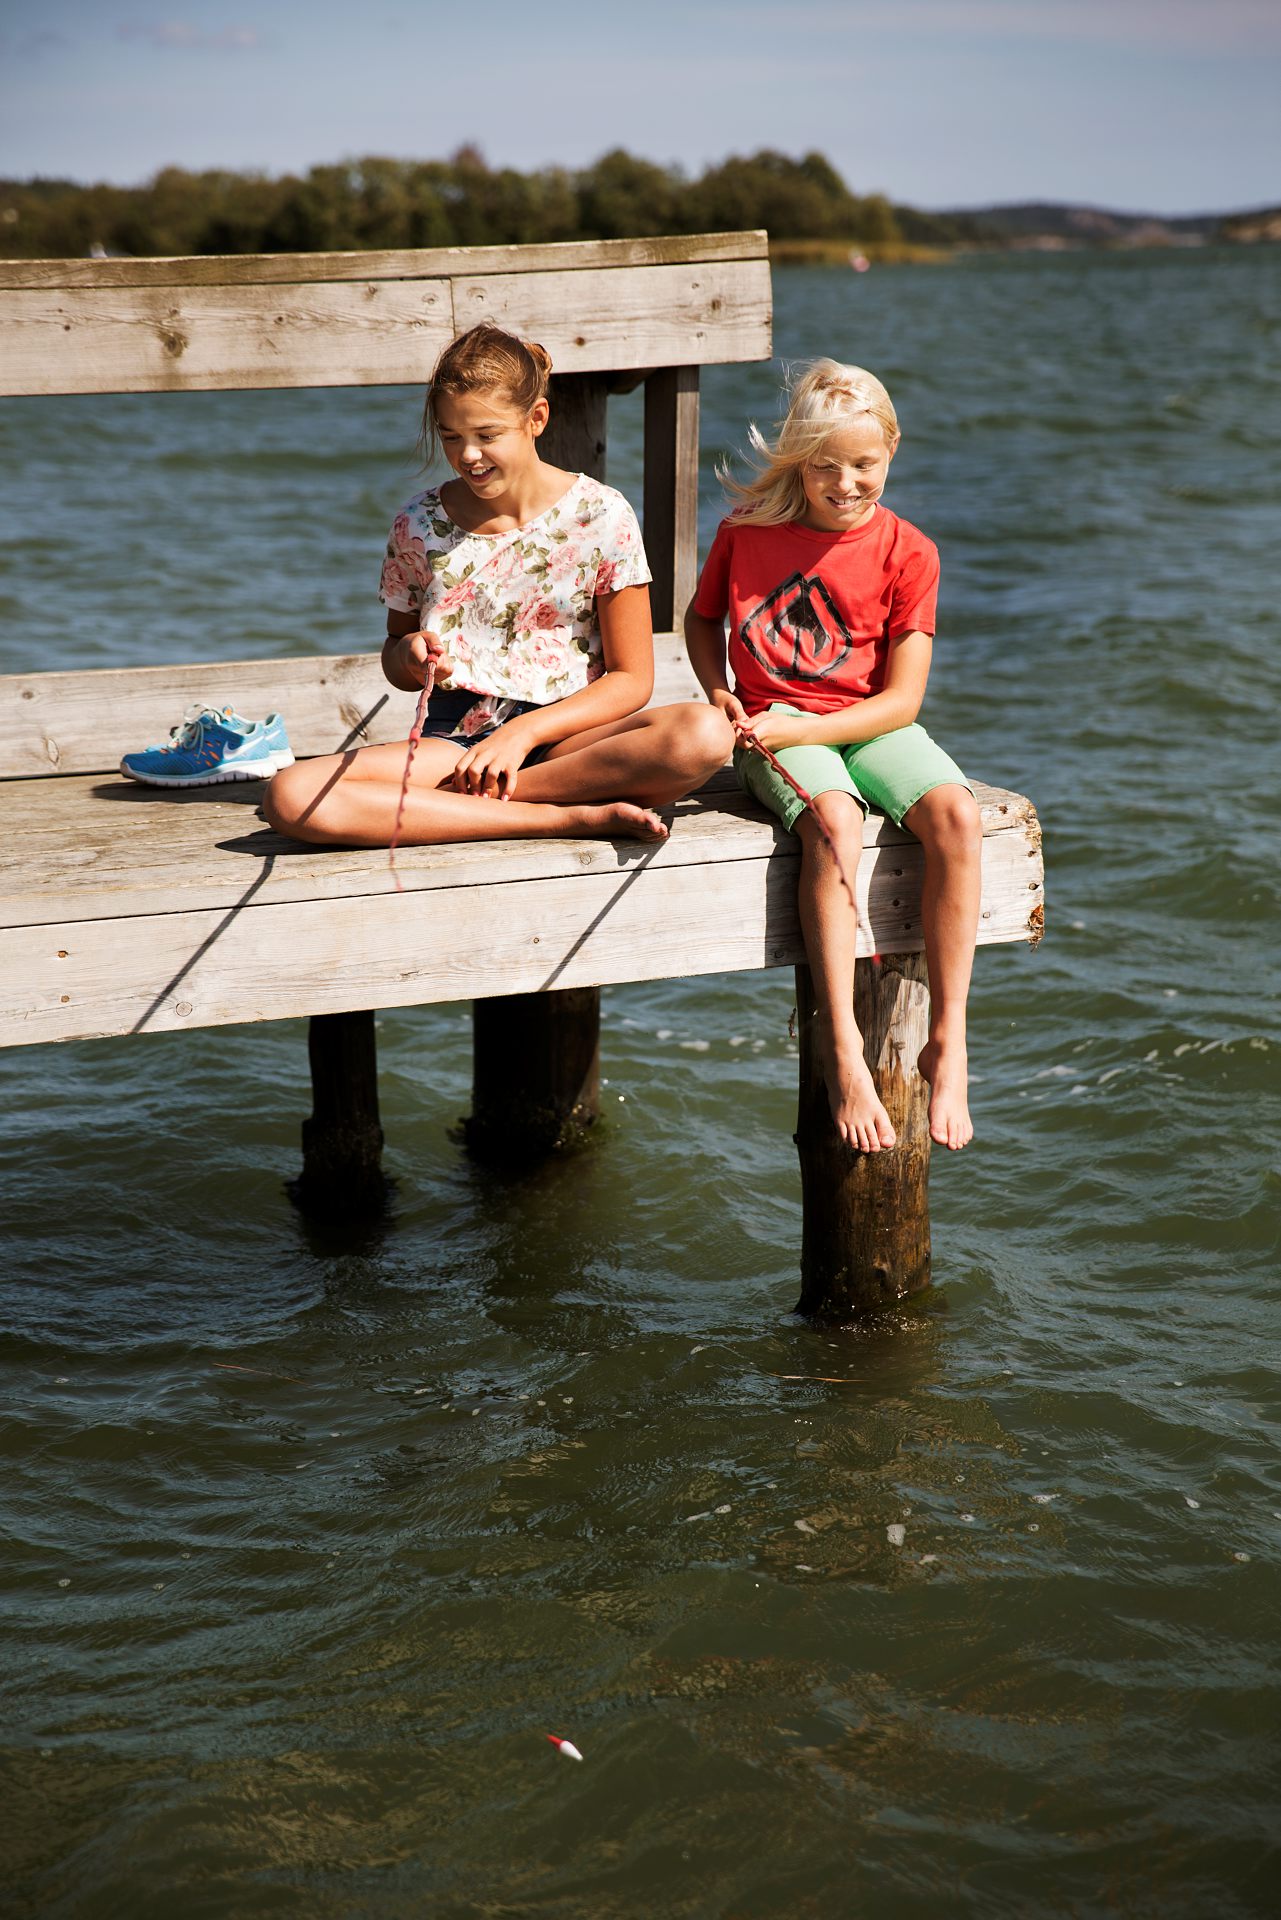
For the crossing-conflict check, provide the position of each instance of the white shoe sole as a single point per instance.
(217, 777)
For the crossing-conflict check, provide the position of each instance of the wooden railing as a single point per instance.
(611, 313)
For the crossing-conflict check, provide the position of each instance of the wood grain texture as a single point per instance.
(866, 1219)
(535, 1074)
(53, 722)
(575, 435)
(595, 320)
(671, 490)
(85, 848)
(154, 338)
(192, 339)
(416, 263)
(342, 1140)
(189, 913)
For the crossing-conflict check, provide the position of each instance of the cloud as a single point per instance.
(183, 37)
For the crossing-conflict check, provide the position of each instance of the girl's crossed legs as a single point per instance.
(653, 758)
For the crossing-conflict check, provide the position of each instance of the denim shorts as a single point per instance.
(446, 707)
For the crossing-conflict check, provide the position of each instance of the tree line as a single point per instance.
(461, 201)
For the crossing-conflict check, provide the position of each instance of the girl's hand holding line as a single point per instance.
(490, 767)
(416, 649)
(731, 706)
(779, 730)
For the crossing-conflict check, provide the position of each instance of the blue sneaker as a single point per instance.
(211, 746)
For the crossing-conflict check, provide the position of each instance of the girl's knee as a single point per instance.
(287, 797)
(711, 737)
(840, 814)
(274, 808)
(947, 818)
(837, 808)
(697, 739)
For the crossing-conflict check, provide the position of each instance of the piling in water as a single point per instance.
(865, 1235)
(342, 1142)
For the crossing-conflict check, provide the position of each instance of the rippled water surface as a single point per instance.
(308, 1545)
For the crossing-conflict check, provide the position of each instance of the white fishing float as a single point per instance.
(564, 1746)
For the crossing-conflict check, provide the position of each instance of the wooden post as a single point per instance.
(865, 1238)
(536, 1078)
(574, 437)
(342, 1141)
(671, 491)
(536, 1056)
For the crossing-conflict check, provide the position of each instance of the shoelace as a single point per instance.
(190, 730)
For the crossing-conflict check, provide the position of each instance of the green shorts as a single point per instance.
(890, 773)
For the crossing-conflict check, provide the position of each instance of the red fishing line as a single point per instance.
(415, 735)
(446, 604)
(748, 739)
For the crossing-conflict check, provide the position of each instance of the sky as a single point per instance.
(1164, 106)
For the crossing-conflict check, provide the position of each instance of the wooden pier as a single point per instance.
(131, 910)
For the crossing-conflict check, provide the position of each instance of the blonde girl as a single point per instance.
(526, 589)
(830, 599)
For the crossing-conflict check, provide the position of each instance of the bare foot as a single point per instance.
(947, 1070)
(617, 820)
(861, 1120)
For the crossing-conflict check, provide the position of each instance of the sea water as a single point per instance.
(311, 1541)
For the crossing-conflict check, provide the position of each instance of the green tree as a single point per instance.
(792, 199)
(874, 219)
(377, 202)
(621, 197)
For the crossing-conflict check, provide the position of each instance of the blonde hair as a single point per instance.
(485, 359)
(822, 400)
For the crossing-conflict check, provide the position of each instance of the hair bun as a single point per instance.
(539, 355)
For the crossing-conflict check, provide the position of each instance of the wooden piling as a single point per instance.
(865, 1240)
(342, 1141)
(536, 1073)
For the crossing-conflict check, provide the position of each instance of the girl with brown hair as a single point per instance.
(521, 592)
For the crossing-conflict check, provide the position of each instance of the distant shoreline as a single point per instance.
(837, 253)
(371, 204)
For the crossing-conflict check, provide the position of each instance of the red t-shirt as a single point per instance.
(812, 614)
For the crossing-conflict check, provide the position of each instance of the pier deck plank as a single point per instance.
(126, 909)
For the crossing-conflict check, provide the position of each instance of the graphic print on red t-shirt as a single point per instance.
(812, 615)
(796, 632)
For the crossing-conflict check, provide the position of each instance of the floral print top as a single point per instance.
(517, 611)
